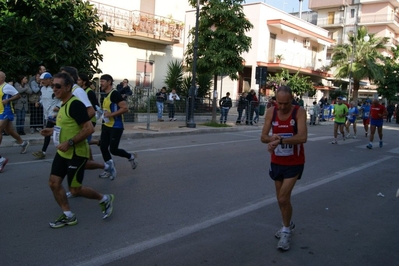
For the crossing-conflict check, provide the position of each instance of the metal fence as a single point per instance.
(142, 106)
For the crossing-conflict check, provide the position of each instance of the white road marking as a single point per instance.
(151, 243)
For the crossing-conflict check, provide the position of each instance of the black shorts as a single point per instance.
(73, 168)
(280, 172)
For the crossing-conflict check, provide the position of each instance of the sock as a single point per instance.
(131, 156)
(371, 143)
(286, 229)
(68, 214)
(106, 166)
(105, 198)
(44, 152)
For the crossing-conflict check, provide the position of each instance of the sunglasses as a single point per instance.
(57, 86)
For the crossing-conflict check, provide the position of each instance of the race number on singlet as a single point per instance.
(285, 149)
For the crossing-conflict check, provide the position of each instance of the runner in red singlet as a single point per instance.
(289, 132)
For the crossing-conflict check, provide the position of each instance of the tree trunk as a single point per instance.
(214, 99)
(355, 92)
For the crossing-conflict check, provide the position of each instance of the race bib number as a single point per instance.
(285, 149)
(56, 135)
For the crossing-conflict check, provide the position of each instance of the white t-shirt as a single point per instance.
(46, 98)
(81, 95)
(10, 90)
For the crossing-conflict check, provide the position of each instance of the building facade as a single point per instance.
(343, 17)
(148, 34)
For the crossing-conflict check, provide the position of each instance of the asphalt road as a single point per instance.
(207, 199)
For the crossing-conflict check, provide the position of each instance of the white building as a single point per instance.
(149, 34)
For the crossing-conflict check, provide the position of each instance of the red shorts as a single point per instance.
(366, 121)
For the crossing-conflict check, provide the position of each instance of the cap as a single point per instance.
(46, 75)
(107, 77)
(339, 98)
(344, 99)
(368, 100)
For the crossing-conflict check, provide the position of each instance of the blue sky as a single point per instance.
(285, 5)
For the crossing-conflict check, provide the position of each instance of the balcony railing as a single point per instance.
(134, 22)
(387, 18)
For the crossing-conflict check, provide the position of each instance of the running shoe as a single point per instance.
(354, 136)
(369, 146)
(334, 142)
(39, 155)
(24, 146)
(133, 161)
(107, 206)
(3, 162)
(278, 233)
(64, 220)
(381, 144)
(111, 169)
(105, 174)
(284, 242)
(365, 134)
(348, 136)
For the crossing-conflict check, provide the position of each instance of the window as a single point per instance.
(352, 13)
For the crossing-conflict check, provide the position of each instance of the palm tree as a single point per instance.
(359, 59)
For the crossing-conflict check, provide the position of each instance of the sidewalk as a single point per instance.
(144, 130)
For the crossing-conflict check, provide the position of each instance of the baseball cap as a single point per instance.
(46, 75)
(339, 98)
(344, 99)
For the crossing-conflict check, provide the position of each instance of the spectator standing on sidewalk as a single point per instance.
(70, 137)
(314, 111)
(21, 105)
(242, 104)
(35, 112)
(225, 104)
(289, 133)
(171, 104)
(8, 94)
(256, 108)
(390, 110)
(161, 98)
(124, 89)
(112, 129)
(377, 113)
(250, 107)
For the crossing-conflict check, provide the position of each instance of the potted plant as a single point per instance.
(279, 57)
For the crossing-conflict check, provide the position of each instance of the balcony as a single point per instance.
(391, 20)
(139, 25)
(321, 4)
(331, 23)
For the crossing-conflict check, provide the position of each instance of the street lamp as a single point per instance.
(191, 122)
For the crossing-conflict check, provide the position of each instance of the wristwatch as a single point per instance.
(281, 141)
(70, 142)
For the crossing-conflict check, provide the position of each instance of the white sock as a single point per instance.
(68, 214)
(105, 198)
(106, 166)
(286, 229)
(131, 156)
(371, 143)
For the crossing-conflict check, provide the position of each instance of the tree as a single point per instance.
(298, 84)
(49, 32)
(174, 76)
(389, 85)
(359, 59)
(221, 40)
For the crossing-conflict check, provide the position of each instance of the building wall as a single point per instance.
(121, 54)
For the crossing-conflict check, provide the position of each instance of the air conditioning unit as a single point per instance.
(341, 8)
(396, 9)
(306, 42)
